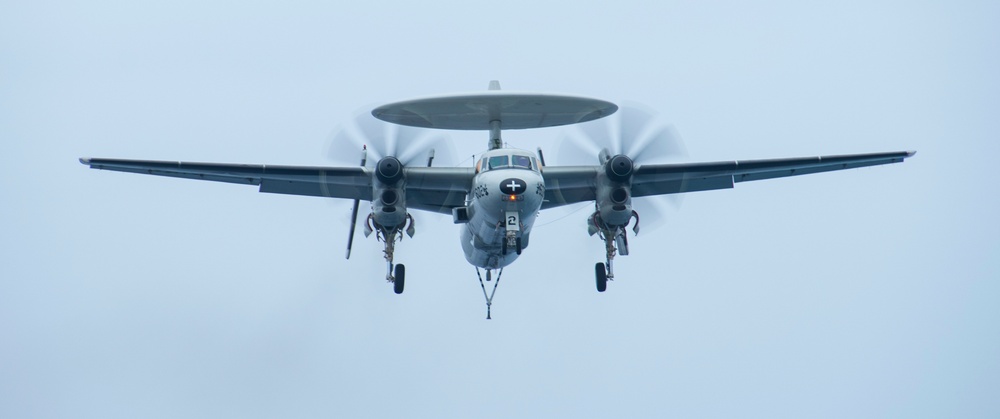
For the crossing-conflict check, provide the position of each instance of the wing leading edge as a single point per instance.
(441, 189)
(428, 188)
(567, 185)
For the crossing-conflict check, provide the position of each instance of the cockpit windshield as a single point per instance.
(497, 162)
(522, 162)
(507, 161)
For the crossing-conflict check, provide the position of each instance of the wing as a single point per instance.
(437, 189)
(428, 188)
(567, 185)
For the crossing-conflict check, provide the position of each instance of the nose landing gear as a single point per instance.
(512, 230)
(511, 239)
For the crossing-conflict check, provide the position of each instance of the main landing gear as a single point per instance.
(601, 271)
(615, 242)
(395, 273)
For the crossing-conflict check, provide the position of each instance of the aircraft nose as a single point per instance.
(513, 186)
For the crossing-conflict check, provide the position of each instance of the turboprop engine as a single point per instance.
(395, 147)
(388, 194)
(389, 218)
(631, 135)
(614, 194)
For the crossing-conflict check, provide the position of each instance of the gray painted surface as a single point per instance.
(864, 293)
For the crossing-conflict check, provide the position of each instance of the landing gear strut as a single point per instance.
(511, 225)
(615, 242)
(394, 273)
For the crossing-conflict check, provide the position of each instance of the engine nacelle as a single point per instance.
(388, 193)
(389, 170)
(619, 168)
(614, 191)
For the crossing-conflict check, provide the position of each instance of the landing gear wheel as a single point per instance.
(602, 276)
(503, 248)
(518, 248)
(399, 272)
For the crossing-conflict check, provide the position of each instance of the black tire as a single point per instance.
(518, 248)
(602, 276)
(399, 272)
(503, 247)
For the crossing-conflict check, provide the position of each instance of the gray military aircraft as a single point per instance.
(497, 199)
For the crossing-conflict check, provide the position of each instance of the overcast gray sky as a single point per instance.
(865, 293)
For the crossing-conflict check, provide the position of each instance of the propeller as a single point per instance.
(636, 132)
(412, 146)
(354, 210)
(377, 140)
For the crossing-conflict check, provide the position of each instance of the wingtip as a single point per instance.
(85, 160)
(910, 153)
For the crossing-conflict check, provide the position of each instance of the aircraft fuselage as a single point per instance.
(506, 196)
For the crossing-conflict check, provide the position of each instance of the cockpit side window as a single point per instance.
(523, 162)
(498, 162)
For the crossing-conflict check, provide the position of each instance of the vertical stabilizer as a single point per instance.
(494, 84)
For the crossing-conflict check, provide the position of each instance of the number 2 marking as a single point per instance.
(513, 222)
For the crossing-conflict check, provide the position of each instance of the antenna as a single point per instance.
(495, 141)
